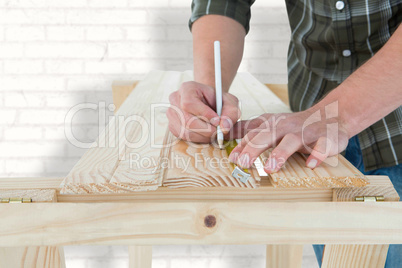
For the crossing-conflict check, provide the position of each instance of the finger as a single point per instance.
(243, 143)
(193, 103)
(266, 128)
(261, 142)
(174, 98)
(190, 122)
(188, 135)
(320, 152)
(287, 146)
(230, 112)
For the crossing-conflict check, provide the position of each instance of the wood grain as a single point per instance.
(265, 192)
(111, 170)
(142, 169)
(201, 165)
(161, 222)
(140, 256)
(32, 257)
(94, 172)
(96, 167)
(284, 256)
(37, 195)
(371, 256)
(120, 91)
(356, 256)
(333, 173)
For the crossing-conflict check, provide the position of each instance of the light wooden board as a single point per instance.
(37, 195)
(142, 166)
(108, 170)
(264, 192)
(97, 171)
(94, 170)
(372, 256)
(152, 223)
(32, 257)
(284, 256)
(140, 256)
(356, 256)
(120, 91)
(294, 173)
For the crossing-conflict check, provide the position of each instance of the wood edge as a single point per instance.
(120, 91)
(281, 91)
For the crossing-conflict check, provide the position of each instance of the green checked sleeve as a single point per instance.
(238, 10)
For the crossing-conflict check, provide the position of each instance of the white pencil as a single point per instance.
(218, 88)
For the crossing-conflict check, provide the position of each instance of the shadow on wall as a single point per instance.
(164, 43)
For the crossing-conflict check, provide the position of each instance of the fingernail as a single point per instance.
(312, 164)
(215, 121)
(271, 165)
(233, 157)
(244, 160)
(226, 124)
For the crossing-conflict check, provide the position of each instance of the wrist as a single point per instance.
(332, 111)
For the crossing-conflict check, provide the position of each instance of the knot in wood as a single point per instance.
(210, 221)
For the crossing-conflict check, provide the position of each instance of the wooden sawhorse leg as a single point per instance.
(140, 256)
(367, 256)
(32, 257)
(284, 256)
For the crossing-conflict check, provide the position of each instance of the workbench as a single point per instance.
(356, 234)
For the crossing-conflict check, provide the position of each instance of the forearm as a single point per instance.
(230, 33)
(372, 91)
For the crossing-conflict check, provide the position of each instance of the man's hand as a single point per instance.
(305, 132)
(192, 115)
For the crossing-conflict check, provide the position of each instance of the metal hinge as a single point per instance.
(369, 198)
(16, 200)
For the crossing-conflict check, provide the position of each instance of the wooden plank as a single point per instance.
(160, 222)
(93, 173)
(294, 173)
(284, 256)
(264, 192)
(372, 256)
(121, 90)
(281, 91)
(109, 170)
(349, 194)
(32, 257)
(142, 167)
(357, 256)
(140, 256)
(37, 195)
(31, 183)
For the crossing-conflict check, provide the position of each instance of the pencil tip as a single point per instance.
(220, 143)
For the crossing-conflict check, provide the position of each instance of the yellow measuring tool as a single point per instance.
(241, 174)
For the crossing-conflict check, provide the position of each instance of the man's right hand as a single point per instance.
(192, 115)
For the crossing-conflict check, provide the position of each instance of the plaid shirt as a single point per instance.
(330, 39)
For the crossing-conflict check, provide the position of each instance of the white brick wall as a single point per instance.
(55, 54)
